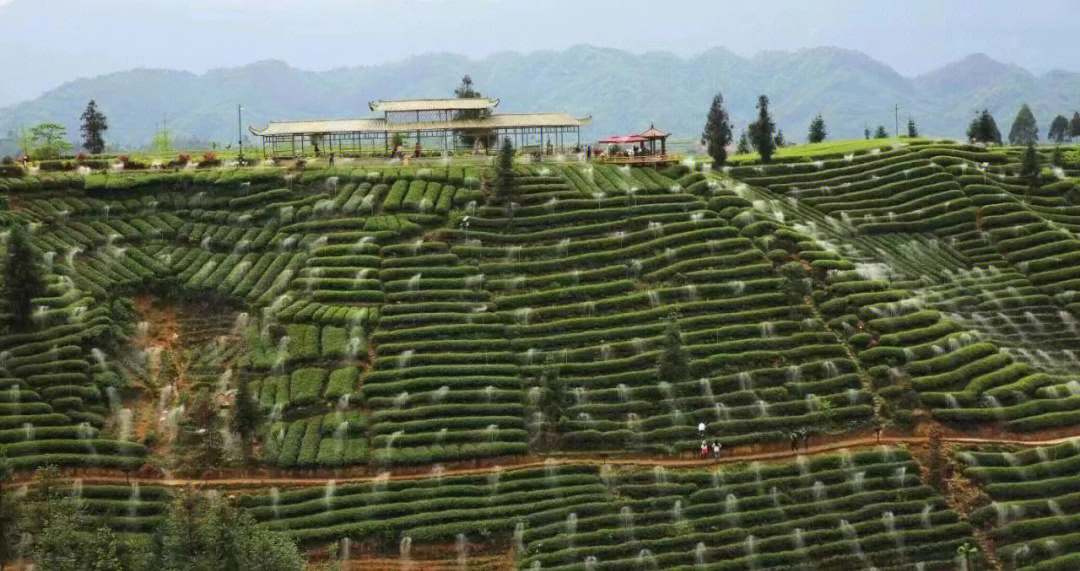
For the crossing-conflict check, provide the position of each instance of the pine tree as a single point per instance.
(912, 130)
(246, 416)
(817, 130)
(674, 365)
(717, 134)
(1059, 129)
(467, 90)
(866, 133)
(983, 129)
(1074, 125)
(94, 125)
(779, 139)
(744, 145)
(22, 281)
(762, 131)
(1024, 130)
(881, 132)
(1030, 165)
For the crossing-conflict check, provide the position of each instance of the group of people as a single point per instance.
(795, 435)
(715, 449)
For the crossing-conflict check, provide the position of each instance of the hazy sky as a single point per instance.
(47, 42)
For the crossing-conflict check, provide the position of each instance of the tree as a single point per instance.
(1030, 165)
(10, 514)
(881, 132)
(866, 133)
(22, 281)
(912, 130)
(817, 132)
(467, 90)
(246, 416)
(208, 533)
(1074, 125)
(1059, 129)
(25, 139)
(94, 125)
(779, 139)
(717, 134)
(762, 131)
(50, 140)
(743, 146)
(983, 129)
(674, 363)
(1024, 131)
(163, 140)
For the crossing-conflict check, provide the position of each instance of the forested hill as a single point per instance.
(621, 90)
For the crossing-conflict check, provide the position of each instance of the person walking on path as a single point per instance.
(794, 442)
(805, 439)
(716, 449)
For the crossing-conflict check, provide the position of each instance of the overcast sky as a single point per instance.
(47, 42)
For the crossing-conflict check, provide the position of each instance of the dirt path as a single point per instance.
(240, 480)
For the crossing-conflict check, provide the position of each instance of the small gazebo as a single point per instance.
(652, 134)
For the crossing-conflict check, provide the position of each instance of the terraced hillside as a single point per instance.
(391, 320)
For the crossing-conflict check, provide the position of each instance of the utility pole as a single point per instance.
(896, 119)
(240, 131)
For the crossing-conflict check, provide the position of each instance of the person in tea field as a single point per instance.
(716, 449)
(704, 450)
(794, 442)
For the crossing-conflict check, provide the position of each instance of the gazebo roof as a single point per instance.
(653, 133)
(618, 140)
(405, 105)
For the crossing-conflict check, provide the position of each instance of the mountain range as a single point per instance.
(622, 91)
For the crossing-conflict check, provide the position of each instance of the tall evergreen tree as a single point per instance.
(762, 131)
(881, 132)
(674, 364)
(983, 129)
(503, 186)
(246, 416)
(467, 90)
(1024, 130)
(1059, 129)
(1030, 165)
(912, 130)
(94, 125)
(744, 145)
(1074, 125)
(717, 134)
(22, 280)
(866, 133)
(817, 132)
(779, 138)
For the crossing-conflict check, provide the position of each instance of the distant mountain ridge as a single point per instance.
(622, 91)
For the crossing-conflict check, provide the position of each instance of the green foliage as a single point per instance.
(49, 140)
(1074, 125)
(881, 132)
(1059, 129)
(912, 130)
(467, 90)
(1030, 165)
(762, 130)
(94, 125)
(203, 533)
(817, 132)
(162, 142)
(674, 364)
(744, 145)
(983, 129)
(10, 512)
(503, 185)
(1024, 130)
(22, 280)
(717, 133)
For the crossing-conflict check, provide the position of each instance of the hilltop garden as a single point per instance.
(457, 364)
